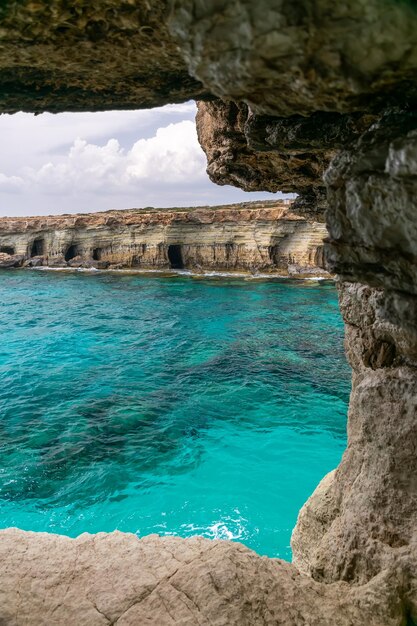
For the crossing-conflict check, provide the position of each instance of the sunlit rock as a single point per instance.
(253, 236)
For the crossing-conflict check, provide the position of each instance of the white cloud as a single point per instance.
(171, 156)
(10, 183)
(85, 167)
(75, 162)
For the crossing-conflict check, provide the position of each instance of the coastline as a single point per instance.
(187, 272)
(255, 237)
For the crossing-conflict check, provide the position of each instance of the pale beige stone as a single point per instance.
(314, 519)
(258, 236)
(116, 578)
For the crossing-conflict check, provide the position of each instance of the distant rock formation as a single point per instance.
(253, 236)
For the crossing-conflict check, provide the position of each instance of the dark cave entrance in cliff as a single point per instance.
(71, 252)
(175, 259)
(37, 248)
(273, 253)
(97, 252)
(7, 250)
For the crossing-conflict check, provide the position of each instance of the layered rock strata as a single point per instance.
(262, 236)
(258, 152)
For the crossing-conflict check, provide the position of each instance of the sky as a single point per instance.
(85, 162)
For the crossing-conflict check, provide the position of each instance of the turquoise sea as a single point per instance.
(167, 404)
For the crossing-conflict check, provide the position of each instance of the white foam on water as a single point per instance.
(64, 269)
(219, 530)
(191, 273)
(228, 528)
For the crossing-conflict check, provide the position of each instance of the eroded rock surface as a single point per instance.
(256, 152)
(373, 206)
(286, 58)
(259, 236)
(118, 579)
(238, 153)
(11, 260)
(362, 520)
(282, 58)
(90, 55)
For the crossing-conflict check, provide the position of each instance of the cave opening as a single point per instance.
(272, 253)
(175, 259)
(37, 248)
(7, 250)
(97, 252)
(71, 252)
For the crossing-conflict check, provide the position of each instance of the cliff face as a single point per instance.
(254, 236)
(290, 89)
(258, 152)
(367, 517)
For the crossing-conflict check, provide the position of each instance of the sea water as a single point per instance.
(167, 404)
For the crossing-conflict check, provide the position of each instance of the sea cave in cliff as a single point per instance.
(37, 248)
(208, 363)
(175, 256)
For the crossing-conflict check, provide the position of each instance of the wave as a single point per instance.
(192, 273)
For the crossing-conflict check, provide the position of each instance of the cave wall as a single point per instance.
(90, 56)
(297, 58)
(370, 507)
(269, 153)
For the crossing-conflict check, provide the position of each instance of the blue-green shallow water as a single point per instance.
(167, 404)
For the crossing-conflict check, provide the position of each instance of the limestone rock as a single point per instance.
(256, 152)
(283, 59)
(313, 521)
(373, 204)
(118, 579)
(84, 56)
(36, 261)
(291, 58)
(361, 520)
(265, 236)
(268, 59)
(11, 260)
(56, 261)
(224, 134)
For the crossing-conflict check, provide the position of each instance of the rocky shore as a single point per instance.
(253, 236)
